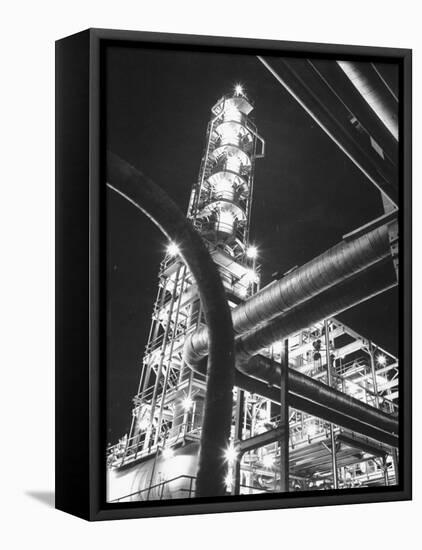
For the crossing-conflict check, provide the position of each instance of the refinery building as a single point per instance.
(335, 424)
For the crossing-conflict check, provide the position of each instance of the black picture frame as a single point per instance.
(80, 284)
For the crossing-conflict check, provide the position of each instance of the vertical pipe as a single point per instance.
(128, 441)
(153, 472)
(188, 411)
(166, 379)
(284, 419)
(385, 470)
(153, 333)
(159, 370)
(374, 374)
(240, 405)
(395, 465)
(330, 383)
(143, 385)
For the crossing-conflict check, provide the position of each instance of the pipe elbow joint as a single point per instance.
(193, 356)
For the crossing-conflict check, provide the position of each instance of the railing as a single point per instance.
(171, 432)
(238, 198)
(133, 448)
(159, 488)
(237, 231)
(356, 387)
(243, 144)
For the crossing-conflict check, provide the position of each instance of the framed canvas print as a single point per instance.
(233, 274)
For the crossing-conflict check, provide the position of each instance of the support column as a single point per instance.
(385, 470)
(330, 383)
(284, 419)
(238, 435)
(394, 455)
(373, 373)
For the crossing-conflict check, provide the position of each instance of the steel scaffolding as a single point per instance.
(272, 449)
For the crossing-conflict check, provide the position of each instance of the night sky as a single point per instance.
(307, 193)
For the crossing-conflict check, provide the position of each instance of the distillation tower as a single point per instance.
(157, 459)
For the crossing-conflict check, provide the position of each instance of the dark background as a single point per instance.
(307, 193)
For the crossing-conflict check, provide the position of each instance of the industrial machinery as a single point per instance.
(343, 389)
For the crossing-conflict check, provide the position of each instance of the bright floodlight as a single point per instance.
(251, 277)
(187, 403)
(230, 453)
(381, 360)
(228, 480)
(168, 453)
(173, 249)
(268, 461)
(262, 415)
(252, 252)
(143, 424)
(238, 89)
(242, 291)
(312, 428)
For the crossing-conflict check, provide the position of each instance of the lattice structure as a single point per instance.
(168, 407)
(169, 403)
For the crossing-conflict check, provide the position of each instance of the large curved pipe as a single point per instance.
(372, 88)
(340, 262)
(160, 208)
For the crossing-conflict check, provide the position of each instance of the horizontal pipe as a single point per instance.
(318, 409)
(340, 262)
(269, 371)
(330, 303)
(377, 95)
(342, 420)
(298, 81)
(366, 124)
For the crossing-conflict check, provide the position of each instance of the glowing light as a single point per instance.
(228, 480)
(242, 291)
(230, 454)
(224, 189)
(173, 249)
(268, 461)
(187, 403)
(262, 415)
(229, 133)
(251, 277)
(312, 428)
(252, 252)
(143, 423)
(381, 360)
(238, 89)
(168, 453)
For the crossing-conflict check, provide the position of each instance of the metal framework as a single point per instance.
(272, 448)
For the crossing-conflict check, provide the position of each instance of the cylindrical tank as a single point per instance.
(228, 163)
(162, 477)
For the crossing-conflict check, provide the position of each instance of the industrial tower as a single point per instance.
(157, 459)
